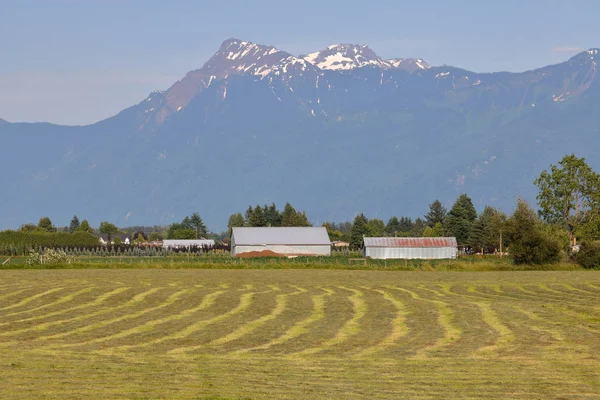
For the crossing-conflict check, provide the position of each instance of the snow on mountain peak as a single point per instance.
(344, 57)
(241, 57)
(408, 64)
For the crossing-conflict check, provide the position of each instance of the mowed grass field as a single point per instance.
(255, 334)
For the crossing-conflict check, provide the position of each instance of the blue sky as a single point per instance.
(80, 61)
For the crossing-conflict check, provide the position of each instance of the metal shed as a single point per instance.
(410, 248)
(288, 241)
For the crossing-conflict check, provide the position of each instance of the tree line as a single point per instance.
(567, 221)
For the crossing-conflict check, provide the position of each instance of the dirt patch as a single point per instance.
(264, 253)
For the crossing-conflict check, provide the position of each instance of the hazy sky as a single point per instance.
(80, 61)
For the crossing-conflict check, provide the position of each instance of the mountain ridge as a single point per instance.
(256, 124)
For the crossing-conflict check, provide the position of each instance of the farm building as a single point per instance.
(185, 244)
(409, 248)
(287, 241)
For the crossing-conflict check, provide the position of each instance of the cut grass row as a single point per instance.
(299, 334)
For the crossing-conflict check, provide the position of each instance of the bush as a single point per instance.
(49, 256)
(589, 255)
(530, 241)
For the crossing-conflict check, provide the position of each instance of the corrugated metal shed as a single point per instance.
(410, 242)
(188, 243)
(410, 248)
(281, 240)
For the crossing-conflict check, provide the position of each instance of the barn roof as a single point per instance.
(281, 236)
(410, 242)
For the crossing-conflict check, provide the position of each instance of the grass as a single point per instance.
(254, 334)
(339, 262)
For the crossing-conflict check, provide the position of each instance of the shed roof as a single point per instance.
(281, 236)
(410, 242)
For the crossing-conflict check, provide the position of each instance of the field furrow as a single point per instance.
(252, 334)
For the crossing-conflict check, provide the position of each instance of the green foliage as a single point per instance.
(436, 231)
(29, 228)
(460, 219)
(418, 228)
(569, 194)
(486, 230)
(108, 229)
(376, 227)
(117, 241)
(530, 242)
(291, 217)
(257, 218)
(589, 255)
(74, 224)
(235, 221)
(84, 227)
(334, 234)
(392, 226)
(360, 228)
(155, 237)
(181, 234)
(45, 225)
(196, 224)
(19, 242)
(272, 215)
(436, 215)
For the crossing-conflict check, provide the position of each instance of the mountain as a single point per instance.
(335, 132)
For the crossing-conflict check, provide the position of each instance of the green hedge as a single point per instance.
(20, 243)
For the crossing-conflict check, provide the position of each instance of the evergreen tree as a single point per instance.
(272, 215)
(257, 219)
(460, 219)
(74, 224)
(248, 215)
(486, 230)
(392, 227)
(195, 223)
(437, 214)
(288, 215)
(418, 227)
(360, 228)
(377, 227)
(300, 219)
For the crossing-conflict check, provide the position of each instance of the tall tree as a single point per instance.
(436, 231)
(195, 223)
(437, 214)
(418, 228)
(486, 232)
(45, 224)
(377, 227)
(235, 221)
(84, 227)
(74, 224)
(257, 218)
(248, 215)
(360, 228)
(108, 229)
(460, 219)
(392, 227)
(272, 215)
(530, 242)
(569, 195)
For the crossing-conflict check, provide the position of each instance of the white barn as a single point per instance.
(288, 241)
(410, 248)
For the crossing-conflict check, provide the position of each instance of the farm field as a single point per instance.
(254, 334)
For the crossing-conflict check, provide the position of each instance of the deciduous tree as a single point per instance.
(569, 195)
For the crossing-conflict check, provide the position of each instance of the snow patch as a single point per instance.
(442, 74)
(478, 82)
